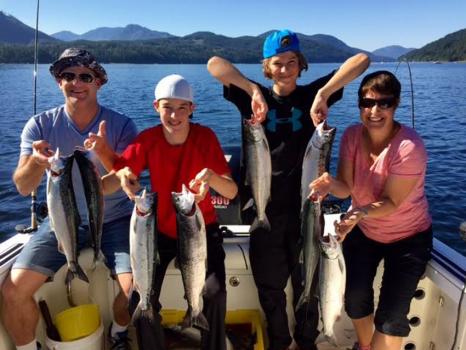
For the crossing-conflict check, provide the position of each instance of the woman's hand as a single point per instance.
(320, 187)
(348, 221)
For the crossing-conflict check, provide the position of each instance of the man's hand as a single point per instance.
(41, 152)
(98, 142)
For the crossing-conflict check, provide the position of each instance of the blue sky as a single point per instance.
(359, 23)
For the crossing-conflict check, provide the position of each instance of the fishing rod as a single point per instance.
(23, 228)
(411, 85)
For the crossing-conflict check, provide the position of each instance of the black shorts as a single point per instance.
(404, 264)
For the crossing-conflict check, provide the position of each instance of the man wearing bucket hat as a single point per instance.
(289, 113)
(81, 120)
(179, 152)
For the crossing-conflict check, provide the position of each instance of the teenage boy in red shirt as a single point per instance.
(178, 152)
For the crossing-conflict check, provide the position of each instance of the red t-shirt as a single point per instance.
(170, 166)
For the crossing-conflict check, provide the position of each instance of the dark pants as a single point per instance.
(214, 305)
(274, 258)
(404, 264)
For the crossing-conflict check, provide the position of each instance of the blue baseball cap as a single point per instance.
(280, 41)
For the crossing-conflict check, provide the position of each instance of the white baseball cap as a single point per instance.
(173, 86)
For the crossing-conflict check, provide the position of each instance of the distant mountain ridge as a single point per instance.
(130, 32)
(13, 31)
(393, 51)
(452, 47)
(137, 44)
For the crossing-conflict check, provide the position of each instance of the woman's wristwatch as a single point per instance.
(364, 211)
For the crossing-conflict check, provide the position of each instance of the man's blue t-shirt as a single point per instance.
(58, 129)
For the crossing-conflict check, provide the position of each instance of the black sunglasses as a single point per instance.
(70, 76)
(383, 103)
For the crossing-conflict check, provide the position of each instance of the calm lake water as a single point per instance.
(439, 107)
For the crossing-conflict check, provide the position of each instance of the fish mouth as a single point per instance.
(142, 212)
(55, 173)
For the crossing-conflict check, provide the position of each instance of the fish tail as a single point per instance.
(74, 270)
(301, 301)
(187, 319)
(201, 322)
(139, 313)
(260, 223)
(330, 337)
(198, 321)
(99, 256)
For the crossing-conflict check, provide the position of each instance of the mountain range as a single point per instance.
(136, 44)
(13, 31)
(451, 47)
(393, 51)
(130, 32)
(137, 32)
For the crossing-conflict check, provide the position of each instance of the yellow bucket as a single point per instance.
(78, 322)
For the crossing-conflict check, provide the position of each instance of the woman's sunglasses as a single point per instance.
(84, 77)
(383, 103)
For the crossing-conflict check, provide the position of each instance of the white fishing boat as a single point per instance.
(437, 315)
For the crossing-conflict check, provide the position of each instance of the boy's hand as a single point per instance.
(98, 142)
(129, 182)
(259, 107)
(200, 184)
(319, 109)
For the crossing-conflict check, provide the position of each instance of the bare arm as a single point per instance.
(222, 184)
(31, 168)
(227, 74)
(28, 175)
(124, 179)
(348, 71)
(339, 187)
(396, 190)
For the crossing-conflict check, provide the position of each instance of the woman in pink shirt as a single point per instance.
(382, 167)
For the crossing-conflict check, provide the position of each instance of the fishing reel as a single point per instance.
(39, 213)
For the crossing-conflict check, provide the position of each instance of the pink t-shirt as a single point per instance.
(404, 156)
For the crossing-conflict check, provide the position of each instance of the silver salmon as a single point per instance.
(332, 281)
(94, 198)
(143, 251)
(192, 255)
(315, 162)
(63, 213)
(311, 229)
(316, 157)
(258, 171)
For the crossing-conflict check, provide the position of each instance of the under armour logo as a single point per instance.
(294, 120)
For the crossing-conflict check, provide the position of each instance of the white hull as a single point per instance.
(434, 313)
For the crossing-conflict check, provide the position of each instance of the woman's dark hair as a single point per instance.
(381, 81)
